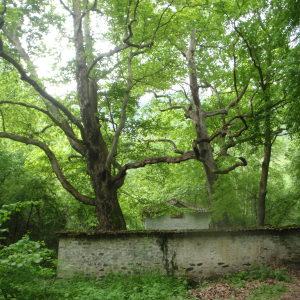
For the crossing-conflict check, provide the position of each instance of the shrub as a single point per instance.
(24, 266)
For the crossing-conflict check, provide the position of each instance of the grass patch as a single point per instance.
(119, 287)
(111, 287)
(260, 273)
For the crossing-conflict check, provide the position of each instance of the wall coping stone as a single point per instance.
(177, 233)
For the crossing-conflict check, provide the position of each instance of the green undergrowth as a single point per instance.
(112, 287)
(27, 273)
(260, 273)
(119, 287)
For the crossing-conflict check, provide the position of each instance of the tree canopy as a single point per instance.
(124, 105)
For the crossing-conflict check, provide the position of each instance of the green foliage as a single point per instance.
(121, 287)
(112, 287)
(6, 212)
(23, 267)
(271, 29)
(27, 196)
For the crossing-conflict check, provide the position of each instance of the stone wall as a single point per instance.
(184, 221)
(193, 253)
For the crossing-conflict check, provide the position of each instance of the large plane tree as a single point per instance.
(84, 130)
(154, 46)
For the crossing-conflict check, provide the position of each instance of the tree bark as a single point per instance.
(202, 146)
(108, 211)
(263, 183)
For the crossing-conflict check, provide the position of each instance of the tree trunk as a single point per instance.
(211, 179)
(202, 146)
(263, 183)
(108, 210)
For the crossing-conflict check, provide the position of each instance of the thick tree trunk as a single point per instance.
(108, 210)
(202, 146)
(211, 179)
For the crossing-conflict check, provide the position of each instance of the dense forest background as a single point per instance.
(162, 64)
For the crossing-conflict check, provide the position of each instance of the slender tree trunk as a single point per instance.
(263, 183)
(264, 176)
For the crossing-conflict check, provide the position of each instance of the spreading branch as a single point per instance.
(172, 143)
(123, 116)
(76, 143)
(66, 7)
(106, 55)
(131, 22)
(57, 117)
(225, 128)
(42, 92)
(253, 56)
(225, 111)
(171, 106)
(174, 107)
(127, 39)
(155, 160)
(54, 164)
(241, 163)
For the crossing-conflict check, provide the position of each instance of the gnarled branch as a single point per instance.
(176, 150)
(76, 143)
(39, 89)
(54, 164)
(155, 160)
(241, 163)
(123, 116)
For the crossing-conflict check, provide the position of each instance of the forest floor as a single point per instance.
(293, 288)
(279, 284)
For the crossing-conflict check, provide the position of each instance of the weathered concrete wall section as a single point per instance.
(186, 221)
(192, 253)
(102, 256)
